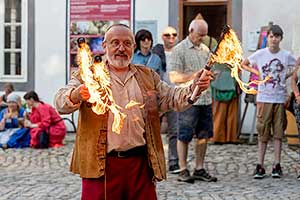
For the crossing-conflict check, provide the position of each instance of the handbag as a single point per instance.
(224, 86)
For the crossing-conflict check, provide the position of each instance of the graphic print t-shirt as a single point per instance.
(276, 66)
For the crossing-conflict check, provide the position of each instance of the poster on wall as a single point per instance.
(90, 19)
(150, 25)
(253, 38)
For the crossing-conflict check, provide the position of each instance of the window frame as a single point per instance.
(23, 78)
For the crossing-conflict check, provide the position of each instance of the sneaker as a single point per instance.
(298, 178)
(184, 176)
(174, 169)
(277, 172)
(202, 175)
(259, 172)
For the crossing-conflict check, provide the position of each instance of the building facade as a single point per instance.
(35, 34)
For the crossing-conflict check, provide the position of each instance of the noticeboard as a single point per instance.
(90, 19)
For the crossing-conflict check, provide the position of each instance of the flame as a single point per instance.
(96, 78)
(133, 103)
(229, 51)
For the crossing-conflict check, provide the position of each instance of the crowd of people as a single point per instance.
(162, 78)
(34, 124)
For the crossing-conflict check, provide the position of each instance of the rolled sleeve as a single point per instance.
(62, 98)
(172, 98)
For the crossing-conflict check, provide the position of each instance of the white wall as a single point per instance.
(50, 47)
(153, 10)
(258, 13)
(50, 25)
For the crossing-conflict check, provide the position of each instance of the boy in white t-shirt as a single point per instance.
(276, 63)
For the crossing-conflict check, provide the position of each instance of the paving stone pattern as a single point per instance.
(31, 174)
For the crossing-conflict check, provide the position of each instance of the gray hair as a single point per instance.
(197, 23)
(115, 25)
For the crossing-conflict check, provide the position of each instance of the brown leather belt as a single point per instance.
(134, 152)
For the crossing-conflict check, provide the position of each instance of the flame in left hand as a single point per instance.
(97, 79)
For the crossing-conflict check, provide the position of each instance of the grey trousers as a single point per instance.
(172, 137)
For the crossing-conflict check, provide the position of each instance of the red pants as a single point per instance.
(126, 179)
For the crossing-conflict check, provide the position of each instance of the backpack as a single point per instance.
(224, 86)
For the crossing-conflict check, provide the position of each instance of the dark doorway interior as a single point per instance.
(214, 15)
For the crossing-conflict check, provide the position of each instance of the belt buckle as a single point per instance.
(119, 154)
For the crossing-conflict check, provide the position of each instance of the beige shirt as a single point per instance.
(133, 128)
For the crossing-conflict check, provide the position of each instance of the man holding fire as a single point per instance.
(124, 165)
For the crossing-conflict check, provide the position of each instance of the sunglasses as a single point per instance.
(169, 35)
(145, 37)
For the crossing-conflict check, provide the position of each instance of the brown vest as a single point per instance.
(89, 154)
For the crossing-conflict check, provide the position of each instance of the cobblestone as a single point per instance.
(33, 174)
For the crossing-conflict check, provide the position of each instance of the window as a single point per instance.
(13, 50)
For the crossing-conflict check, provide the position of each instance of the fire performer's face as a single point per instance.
(119, 46)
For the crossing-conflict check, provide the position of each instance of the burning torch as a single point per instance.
(96, 77)
(208, 65)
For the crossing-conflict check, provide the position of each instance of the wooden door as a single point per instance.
(216, 13)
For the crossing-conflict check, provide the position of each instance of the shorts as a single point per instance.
(270, 115)
(197, 121)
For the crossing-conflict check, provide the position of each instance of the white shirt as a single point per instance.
(276, 66)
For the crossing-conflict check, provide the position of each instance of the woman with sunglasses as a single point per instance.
(143, 54)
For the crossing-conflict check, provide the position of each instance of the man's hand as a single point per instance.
(81, 93)
(202, 80)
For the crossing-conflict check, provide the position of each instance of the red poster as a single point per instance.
(90, 19)
(99, 10)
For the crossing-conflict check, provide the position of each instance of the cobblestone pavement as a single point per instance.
(43, 174)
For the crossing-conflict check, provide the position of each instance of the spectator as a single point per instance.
(13, 134)
(209, 41)
(189, 56)
(44, 117)
(275, 63)
(169, 119)
(142, 53)
(8, 88)
(169, 38)
(225, 98)
(295, 97)
(125, 165)
(225, 105)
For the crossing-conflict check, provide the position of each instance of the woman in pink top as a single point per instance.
(42, 117)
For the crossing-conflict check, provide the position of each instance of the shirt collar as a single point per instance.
(131, 72)
(138, 52)
(191, 45)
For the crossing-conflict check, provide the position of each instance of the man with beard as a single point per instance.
(125, 165)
